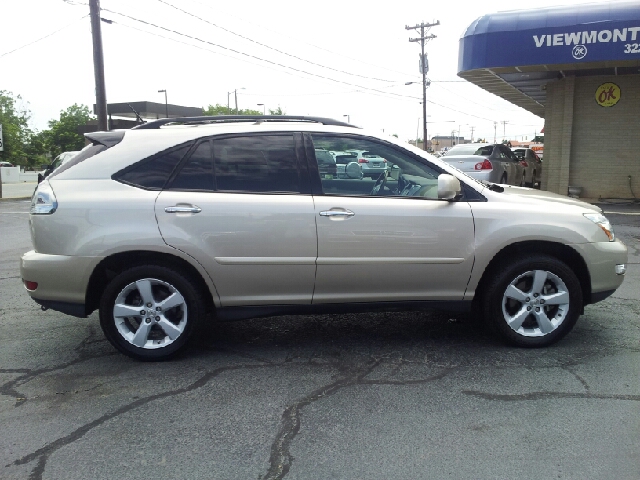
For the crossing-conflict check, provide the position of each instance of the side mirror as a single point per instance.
(353, 170)
(448, 187)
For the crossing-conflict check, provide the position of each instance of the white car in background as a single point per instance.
(60, 160)
(372, 165)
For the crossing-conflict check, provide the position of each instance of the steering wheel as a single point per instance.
(381, 182)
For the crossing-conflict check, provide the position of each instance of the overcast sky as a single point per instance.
(360, 51)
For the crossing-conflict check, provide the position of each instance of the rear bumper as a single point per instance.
(73, 309)
(62, 280)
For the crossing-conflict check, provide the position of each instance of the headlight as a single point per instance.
(603, 223)
(43, 201)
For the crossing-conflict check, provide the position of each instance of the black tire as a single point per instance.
(532, 183)
(159, 323)
(539, 322)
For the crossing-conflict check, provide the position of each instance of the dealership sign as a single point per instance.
(556, 35)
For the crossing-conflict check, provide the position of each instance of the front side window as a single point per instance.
(257, 163)
(388, 171)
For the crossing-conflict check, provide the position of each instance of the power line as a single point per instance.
(361, 90)
(272, 48)
(254, 56)
(316, 46)
(46, 36)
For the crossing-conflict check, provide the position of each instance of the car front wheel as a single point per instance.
(534, 301)
(149, 312)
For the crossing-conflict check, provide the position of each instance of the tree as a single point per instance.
(218, 109)
(63, 135)
(277, 111)
(15, 128)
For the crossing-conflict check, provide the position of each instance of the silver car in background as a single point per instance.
(532, 166)
(492, 163)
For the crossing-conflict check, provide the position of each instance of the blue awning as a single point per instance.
(526, 49)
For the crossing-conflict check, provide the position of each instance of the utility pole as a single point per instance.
(495, 124)
(504, 129)
(98, 65)
(423, 28)
(472, 129)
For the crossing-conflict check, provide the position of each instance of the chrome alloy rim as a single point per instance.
(150, 313)
(535, 303)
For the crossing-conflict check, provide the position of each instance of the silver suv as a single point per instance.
(180, 220)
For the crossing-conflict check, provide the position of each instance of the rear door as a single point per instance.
(240, 205)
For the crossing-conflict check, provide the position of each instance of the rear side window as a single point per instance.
(197, 172)
(152, 173)
(257, 163)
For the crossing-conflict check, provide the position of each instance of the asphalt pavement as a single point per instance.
(410, 395)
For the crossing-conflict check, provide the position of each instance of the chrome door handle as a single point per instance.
(337, 213)
(194, 209)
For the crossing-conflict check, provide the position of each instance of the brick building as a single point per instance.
(578, 68)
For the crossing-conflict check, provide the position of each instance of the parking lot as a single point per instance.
(359, 396)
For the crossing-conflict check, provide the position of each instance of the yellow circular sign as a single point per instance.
(608, 94)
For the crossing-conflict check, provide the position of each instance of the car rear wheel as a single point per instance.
(149, 312)
(533, 302)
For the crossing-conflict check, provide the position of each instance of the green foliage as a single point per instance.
(277, 111)
(15, 129)
(63, 135)
(218, 109)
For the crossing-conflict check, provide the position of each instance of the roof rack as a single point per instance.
(239, 118)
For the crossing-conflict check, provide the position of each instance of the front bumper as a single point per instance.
(61, 279)
(602, 259)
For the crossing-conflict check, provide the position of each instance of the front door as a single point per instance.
(390, 238)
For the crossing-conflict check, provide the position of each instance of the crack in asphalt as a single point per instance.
(546, 395)
(578, 377)
(43, 453)
(9, 388)
(281, 458)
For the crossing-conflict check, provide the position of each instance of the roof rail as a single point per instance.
(239, 118)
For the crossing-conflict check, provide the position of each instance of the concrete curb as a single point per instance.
(14, 198)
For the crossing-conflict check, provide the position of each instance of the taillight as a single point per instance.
(524, 164)
(31, 286)
(363, 160)
(384, 160)
(43, 201)
(485, 165)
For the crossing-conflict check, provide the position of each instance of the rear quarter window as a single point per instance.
(153, 172)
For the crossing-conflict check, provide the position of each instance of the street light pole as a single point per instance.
(264, 108)
(166, 105)
(348, 118)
